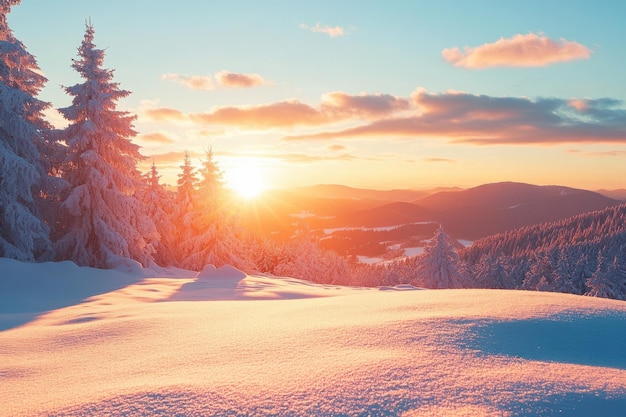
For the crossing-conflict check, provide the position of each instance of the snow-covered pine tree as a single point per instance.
(211, 185)
(159, 206)
(599, 283)
(214, 239)
(304, 259)
(540, 276)
(23, 131)
(609, 279)
(184, 208)
(439, 265)
(492, 273)
(104, 223)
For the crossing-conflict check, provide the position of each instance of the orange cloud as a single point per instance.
(332, 31)
(335, 106)
(343, 105)
(529, 50)
(234, 80)
(156, 137)
(223, 79)
(164, 114)
(282, 114)
(439, 160)
(194, 82)
(336, 148)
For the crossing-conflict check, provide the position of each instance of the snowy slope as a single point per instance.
(227, 344)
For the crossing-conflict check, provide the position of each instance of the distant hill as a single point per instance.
(386, 215)
(334, 191)
(493, 208)
(466, 214)
(619, 194)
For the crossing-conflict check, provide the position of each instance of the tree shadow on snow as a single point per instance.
(30, 290)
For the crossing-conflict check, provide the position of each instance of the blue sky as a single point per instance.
(387, 49)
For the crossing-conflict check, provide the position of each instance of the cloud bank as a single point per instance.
(334, 107)
(456, 117)
(529, 50)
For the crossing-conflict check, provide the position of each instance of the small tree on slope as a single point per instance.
(23, 235)
(439, 265)
(104, 223)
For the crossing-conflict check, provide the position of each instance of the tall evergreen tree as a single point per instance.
(103, 221)
(23, 235)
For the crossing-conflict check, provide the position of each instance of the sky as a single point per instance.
(396, 94)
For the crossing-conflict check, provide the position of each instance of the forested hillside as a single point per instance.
(585, 254)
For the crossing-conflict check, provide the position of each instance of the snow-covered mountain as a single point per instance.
(163, 343)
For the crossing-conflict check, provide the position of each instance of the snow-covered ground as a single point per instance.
(83, 342)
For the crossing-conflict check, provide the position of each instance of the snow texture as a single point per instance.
(78, 341)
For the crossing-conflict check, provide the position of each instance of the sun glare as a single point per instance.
(245, 178)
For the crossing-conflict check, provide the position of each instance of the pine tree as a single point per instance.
(608, 280)
(599, 283)
(104, 223)
(492, 273)
(439, 265)
(540, 276)
(214, 239)
(304, 259)
(23, 132)
(184, 208)
(211, 186)
(159, 206)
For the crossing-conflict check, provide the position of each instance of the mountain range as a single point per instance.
(331, 211)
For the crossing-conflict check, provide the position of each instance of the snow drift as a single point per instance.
(252, 345)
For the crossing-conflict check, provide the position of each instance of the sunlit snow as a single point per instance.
(82, 342)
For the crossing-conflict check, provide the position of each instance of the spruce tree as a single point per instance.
(213, 239)
(23, 234)
(184, 208)
(159, 206)
(439, 265)
(103, 222)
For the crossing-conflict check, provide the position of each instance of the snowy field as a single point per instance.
(84, 342)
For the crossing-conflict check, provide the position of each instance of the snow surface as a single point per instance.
(82, 342)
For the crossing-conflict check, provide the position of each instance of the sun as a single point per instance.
(245, 178)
